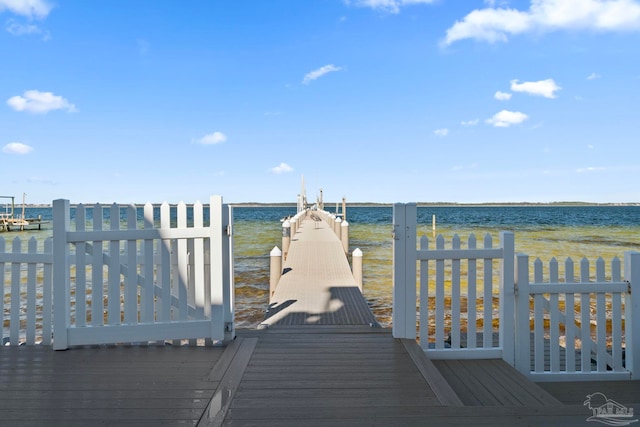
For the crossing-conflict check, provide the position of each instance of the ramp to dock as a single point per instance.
(317, 287)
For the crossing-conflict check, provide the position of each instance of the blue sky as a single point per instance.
(376, 100)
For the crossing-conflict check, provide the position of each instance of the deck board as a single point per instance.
(107, 385)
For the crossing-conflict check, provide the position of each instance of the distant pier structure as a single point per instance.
(10, 221)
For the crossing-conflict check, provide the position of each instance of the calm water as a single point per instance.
(540, 231)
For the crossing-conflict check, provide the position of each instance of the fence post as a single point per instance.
(507, 297)
(217, 269)
(523, 328)
(404, 270)
(229, 279)
(61, 279)
(632, 313)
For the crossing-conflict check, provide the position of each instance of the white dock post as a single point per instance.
(344, 236)
(276, 270)
(286, 238)
(344, 208)
(357, 267)
(337, 228)
(433, 224)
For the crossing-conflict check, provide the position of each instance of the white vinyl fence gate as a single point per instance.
(133, 281)
(478, 303)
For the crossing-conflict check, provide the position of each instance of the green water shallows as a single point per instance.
(540, 231)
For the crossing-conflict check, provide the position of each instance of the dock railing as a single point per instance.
(550, 330)
(117, 275)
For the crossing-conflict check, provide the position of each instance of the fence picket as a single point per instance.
(570, 319)
(15, 295)
(538, 319)
(148, 292)
(601, 320)
(487, 305)
(165, 265)
(31, 295)
(554, 321)
(81, 270)
(113, 279)
(47, 295)
(424, 296)
(440, 300)
(97, 263)
(616, 318)
(183, 262)
(585, 319)
(455, 295)
(131, 279)
(198, 263)
(472, 304)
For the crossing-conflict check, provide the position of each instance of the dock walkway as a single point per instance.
(318, 287)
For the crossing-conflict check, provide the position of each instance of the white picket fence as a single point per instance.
(133, 281)
(550, 330)
(27, 292)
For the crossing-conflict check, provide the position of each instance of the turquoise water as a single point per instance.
(540, 231)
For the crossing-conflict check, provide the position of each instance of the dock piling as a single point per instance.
(286, 238)
(344, 236)
(357, 267)
(275, 270)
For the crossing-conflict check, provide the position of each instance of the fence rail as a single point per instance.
(570, 328)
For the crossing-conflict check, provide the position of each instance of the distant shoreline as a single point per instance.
(374, 204)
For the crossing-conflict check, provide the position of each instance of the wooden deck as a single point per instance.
(316, 362)
(286, 376)
(106, 386)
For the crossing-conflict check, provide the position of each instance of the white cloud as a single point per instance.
(17, 29)
(593, 76)
(28, 8)
(17, 148)
(497, 24)
(389, 6)
(34, 101)
(282, 168)
(502, 96)
(590, 169)
(470, 122)
(507, 118)
(212, 138)
(316, 74)
(441, 132)
(546, 88)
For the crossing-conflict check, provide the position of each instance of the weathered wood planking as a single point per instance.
(318, 287)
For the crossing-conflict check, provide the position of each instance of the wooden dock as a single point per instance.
(319, 360)
(318, 287)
